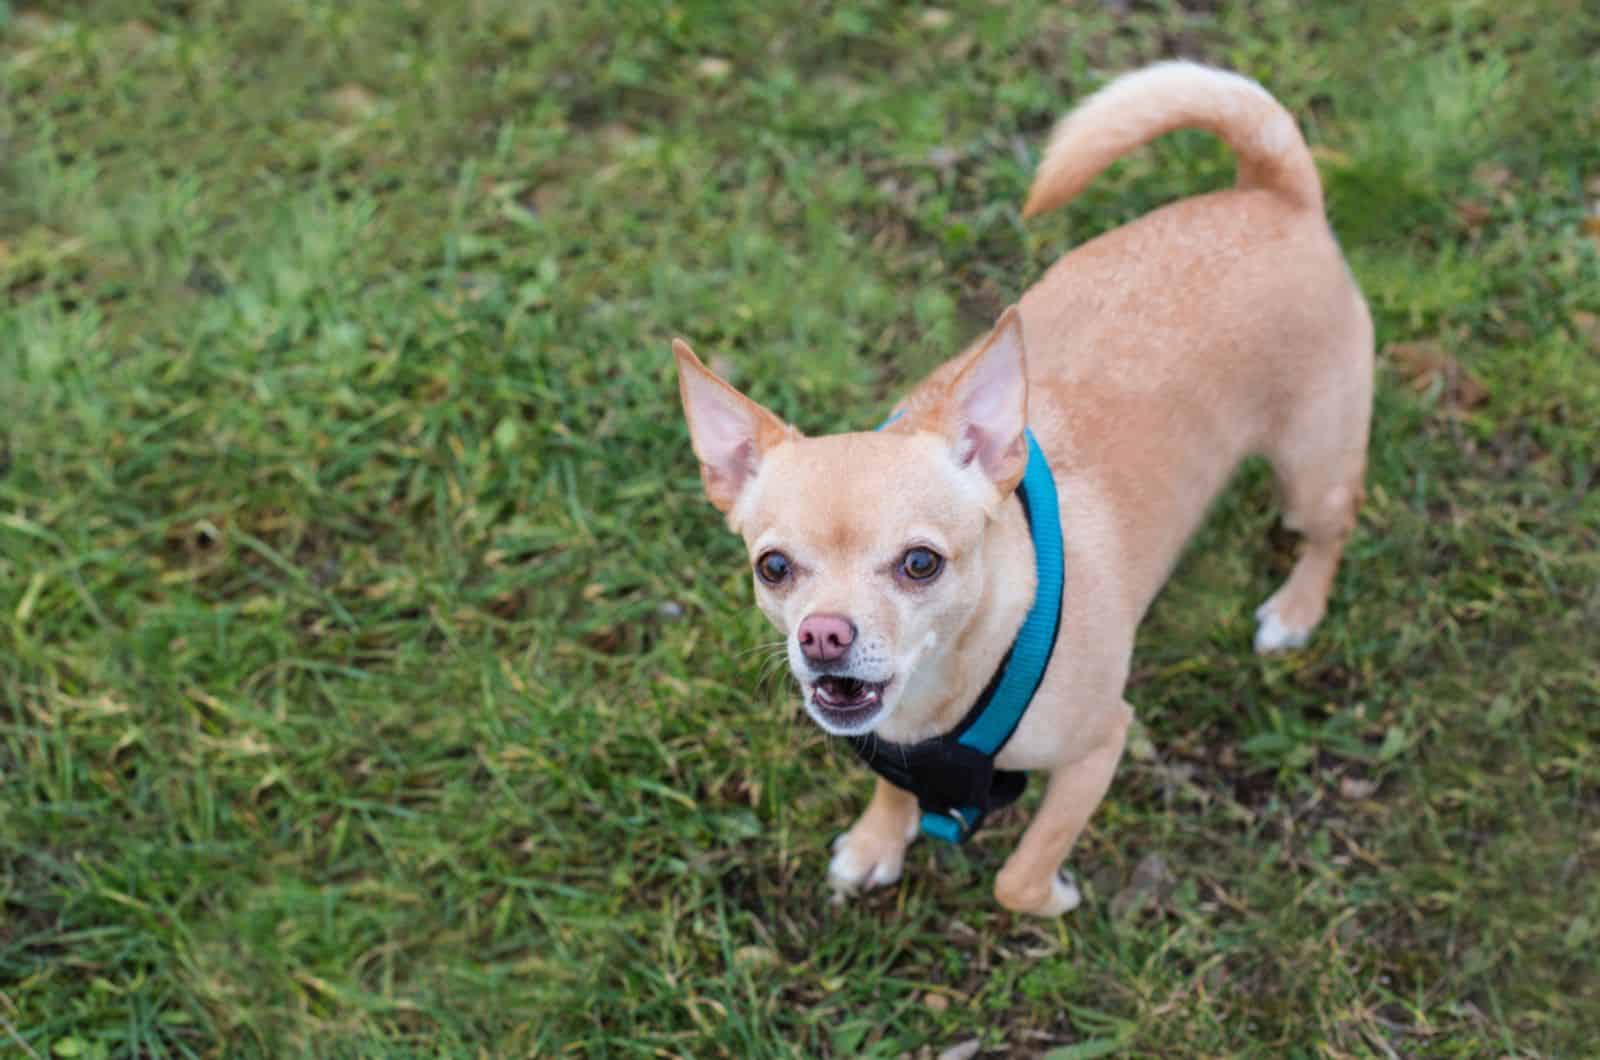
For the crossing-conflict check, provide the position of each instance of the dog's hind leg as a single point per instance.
(1319, 461)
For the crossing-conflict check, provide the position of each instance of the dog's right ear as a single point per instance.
(984, 411)
(730, 433)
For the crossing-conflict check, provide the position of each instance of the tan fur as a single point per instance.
(1158, 356)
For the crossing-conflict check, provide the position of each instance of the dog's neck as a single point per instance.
(950, 678)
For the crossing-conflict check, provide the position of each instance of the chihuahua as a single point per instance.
(900, 564)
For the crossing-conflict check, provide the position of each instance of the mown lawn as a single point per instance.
(374, 679)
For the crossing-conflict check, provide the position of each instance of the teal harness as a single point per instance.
(953, 776)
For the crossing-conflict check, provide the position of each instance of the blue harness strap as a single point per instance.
(953, 775)
(1030, 652)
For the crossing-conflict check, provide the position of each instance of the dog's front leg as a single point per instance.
(872, 852)
(1031, 881)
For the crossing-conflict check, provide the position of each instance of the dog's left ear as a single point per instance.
(729, 432)
(986, 411)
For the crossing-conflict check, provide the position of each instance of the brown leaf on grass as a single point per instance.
(1419, 362)
(1591, 224)
(542, 200)
(713, 68)
(962, 1050)
(36, 24)
(138, 34)
(353, 102)
(1586, 323)
(616, 135)
(1467, 393)
(755, 958)
(1355, 788)
(958, 47)
(1425, 365)
(607, 640)
(1472, 215)
(1152, 882)
(1491, 175)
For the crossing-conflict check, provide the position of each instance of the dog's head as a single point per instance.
(868, 550)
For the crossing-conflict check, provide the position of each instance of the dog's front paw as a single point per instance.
(864, 859)
(1284, 624)
(1054, 896)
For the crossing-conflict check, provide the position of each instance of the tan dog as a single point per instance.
(899, 564)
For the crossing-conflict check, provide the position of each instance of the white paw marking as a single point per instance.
(1064, 896)
(1274, 634)
(853, 870)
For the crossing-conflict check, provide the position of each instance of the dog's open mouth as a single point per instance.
(847, 702)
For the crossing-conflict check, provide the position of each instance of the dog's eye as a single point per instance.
(773, 567)
(921, 564)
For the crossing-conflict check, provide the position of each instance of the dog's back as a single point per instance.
(1216, 327)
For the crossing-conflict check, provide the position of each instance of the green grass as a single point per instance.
(374, 679)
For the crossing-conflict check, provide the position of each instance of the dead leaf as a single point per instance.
(607, 640)
(934, 18)
(542, 199)
(1467, 393)
(36, 24)
(1472, 214)
(1419, 362)
(1591, 224)
(353, 102)
(1152, 882)
(1594, 185)
(935, 1002)
(713, 68)
(139, 34)
(1425, 365)
(1356, 788)
(962, 1050)
(616, 135)
(959, 47)
(1587, 324)
(1491, 175)
(754, 958)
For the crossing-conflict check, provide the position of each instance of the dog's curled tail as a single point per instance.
(1142, 105)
